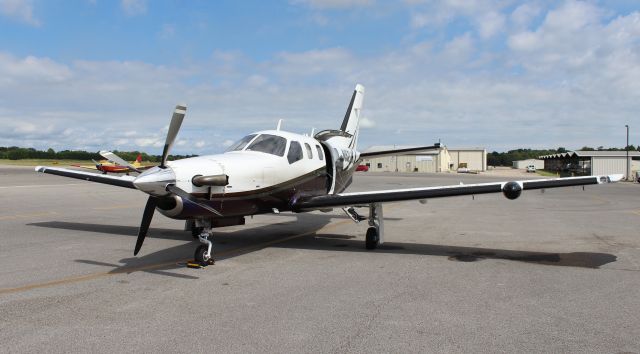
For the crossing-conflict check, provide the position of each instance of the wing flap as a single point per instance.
(349, 199)
(120, 181)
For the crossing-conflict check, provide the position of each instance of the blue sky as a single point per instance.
(494, 73)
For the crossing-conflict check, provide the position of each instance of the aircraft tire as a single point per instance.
(199, 256)
(371, 242)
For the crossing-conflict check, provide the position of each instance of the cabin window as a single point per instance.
(320, 154)
(379, 165)
(295, 152)
(240, 144)
(309, 152)
(270, 144)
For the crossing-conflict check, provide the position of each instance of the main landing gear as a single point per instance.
(376, 224)
(375, 232)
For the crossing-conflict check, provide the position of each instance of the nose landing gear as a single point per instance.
(204, 252)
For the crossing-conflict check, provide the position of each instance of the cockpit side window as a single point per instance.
(240, 144)
(295, 152)
(309, 152)
(320, 154)
(270, 144)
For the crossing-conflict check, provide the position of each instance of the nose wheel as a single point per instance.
(202, 255)
(204, 252)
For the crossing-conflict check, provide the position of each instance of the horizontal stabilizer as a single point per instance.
(394, 152)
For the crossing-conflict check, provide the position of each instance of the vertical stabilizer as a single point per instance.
(351, 121)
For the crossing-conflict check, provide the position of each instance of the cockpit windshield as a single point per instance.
(271, 144)
(240, 144)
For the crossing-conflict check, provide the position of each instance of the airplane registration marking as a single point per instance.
(91, 276)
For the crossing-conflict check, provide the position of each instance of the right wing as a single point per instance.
(511, 190)
(120, 181)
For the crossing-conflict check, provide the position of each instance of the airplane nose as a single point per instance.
(154, 181)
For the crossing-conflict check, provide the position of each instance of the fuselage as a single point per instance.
(267, 171)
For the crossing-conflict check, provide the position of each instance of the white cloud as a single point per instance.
(20, 10)
(200, 144)
(490, 24)
(134, 7)
(524, 15)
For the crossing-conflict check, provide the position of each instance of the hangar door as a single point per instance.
(607, 165)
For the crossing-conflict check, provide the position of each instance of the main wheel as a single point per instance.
(372, 239)
(201, 255)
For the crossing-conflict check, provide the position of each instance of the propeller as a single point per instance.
(118, 160)
(152, 202)
(174, 127)
(147, 215)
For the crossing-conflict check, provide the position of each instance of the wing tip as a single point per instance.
(615, 178)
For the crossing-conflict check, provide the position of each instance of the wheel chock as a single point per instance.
(195, 265)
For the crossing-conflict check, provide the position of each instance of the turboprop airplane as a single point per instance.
(275, 171)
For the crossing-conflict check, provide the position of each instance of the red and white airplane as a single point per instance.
(274, 171)
(115, 164)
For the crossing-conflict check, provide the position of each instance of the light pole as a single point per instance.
(627, 149)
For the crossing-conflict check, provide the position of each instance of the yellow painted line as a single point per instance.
(92, 276)
(637, 212)
(20, 216)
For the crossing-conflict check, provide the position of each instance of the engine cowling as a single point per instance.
(512, 190)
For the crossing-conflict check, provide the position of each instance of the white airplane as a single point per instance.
(274, 171)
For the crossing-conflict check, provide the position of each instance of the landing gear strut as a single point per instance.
(375, 231)
(204, 252)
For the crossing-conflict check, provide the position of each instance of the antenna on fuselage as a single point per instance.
(279, 124)
(313, 130)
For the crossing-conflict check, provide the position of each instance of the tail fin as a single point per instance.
(139, 158)
(351, 122)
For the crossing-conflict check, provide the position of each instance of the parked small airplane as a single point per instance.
(273, 171)
(115, 164)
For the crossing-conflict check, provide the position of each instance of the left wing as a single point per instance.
(120, 181)
(511, 190)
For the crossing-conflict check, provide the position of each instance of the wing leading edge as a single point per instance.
(120, 181)
(511, 190)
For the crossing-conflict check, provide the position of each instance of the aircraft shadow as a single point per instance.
(247, 240)
(456, 253)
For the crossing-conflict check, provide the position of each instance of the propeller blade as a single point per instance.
(184, 195)
(118, 160)
(146, 221)
(174, 127)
